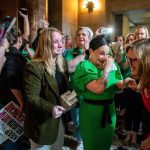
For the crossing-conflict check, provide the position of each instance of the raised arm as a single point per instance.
(26, 27)
(73, 63)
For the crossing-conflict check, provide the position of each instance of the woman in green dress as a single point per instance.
(96, 80)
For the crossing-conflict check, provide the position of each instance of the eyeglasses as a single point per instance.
(131, 60)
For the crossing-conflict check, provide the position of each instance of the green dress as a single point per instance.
(94, 136)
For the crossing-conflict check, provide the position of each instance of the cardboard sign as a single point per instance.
(11, 122)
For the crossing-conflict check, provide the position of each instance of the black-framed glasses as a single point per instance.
(131, 60)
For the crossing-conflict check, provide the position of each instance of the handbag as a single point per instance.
(68, 99)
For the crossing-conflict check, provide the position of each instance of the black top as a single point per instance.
(62, 85)
(11, 75)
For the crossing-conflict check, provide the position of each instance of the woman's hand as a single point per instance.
(22, 14)
(145, 145)
(108, 63)
(121, 85)
(43, 24)
(57, 111)
(131, 83)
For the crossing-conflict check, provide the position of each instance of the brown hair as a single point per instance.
(44, 52)
(143, 27)
(142, 50)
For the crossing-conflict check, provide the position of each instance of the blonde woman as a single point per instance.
(139, 57)
(45, 79)
(141, 32)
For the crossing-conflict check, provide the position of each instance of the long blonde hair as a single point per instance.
(143, 27)
(44, 52)
(142, 50)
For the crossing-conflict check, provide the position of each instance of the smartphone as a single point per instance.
(23, 11)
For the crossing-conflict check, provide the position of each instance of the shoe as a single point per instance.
(70, 141)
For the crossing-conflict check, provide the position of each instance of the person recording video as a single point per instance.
(11, 85)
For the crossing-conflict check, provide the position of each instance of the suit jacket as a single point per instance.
(39, 123)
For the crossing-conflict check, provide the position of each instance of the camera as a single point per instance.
(105, 33)
(77, 51)
(23, 11)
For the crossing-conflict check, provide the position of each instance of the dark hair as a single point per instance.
(97, 42)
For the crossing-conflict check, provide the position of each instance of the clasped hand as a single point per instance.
(57, 111)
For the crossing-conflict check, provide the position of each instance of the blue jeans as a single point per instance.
(9, 145)
(75, 119)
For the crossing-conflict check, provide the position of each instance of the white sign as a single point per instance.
(11, 122)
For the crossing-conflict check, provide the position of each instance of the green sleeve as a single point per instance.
(69, 55)
(84, 73)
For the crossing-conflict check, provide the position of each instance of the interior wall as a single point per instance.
(8, 8)
(94, 19)
(126, 26)
(69, 17)
(55, 13)
(119, 6)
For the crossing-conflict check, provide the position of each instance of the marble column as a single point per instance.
(37, 9)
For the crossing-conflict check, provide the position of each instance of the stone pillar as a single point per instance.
(37, 9)
(118, 24)
(55, 13)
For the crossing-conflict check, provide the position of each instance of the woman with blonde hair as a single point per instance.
(129, 39)
(45, 79)
(140, 55)
(141, 32)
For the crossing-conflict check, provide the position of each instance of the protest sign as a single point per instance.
(11, 122)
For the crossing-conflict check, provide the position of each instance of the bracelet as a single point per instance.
(105, 75)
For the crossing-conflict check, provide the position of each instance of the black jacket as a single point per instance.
(11, 75)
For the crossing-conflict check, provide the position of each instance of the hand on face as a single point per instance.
(108, 63)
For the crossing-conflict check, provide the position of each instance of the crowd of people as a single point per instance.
(109, 78)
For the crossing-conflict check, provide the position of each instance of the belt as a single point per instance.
(106, 117)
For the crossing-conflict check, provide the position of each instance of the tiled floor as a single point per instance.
(118, 143)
